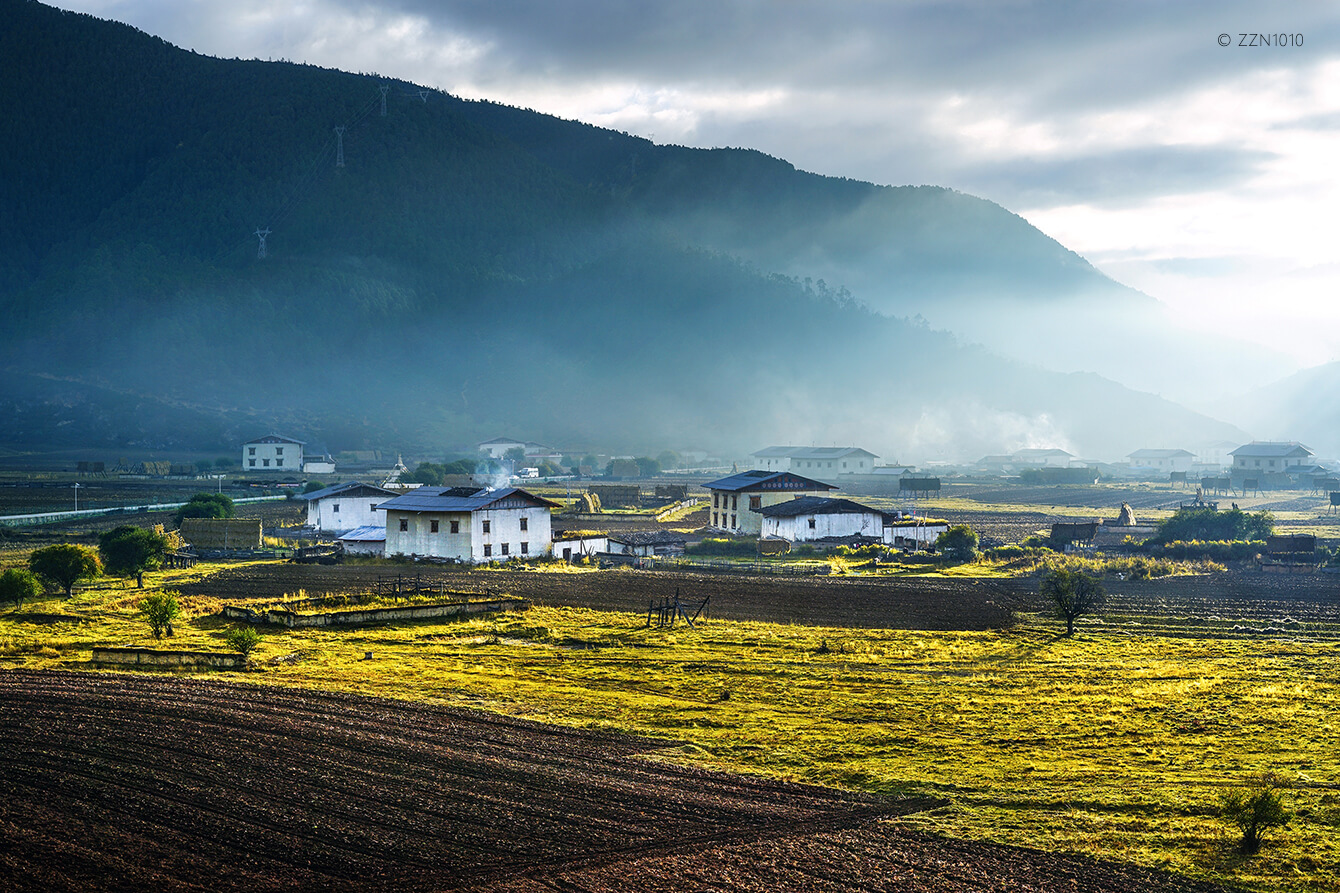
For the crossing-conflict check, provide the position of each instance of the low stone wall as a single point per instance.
(152, 657)
(294, 620)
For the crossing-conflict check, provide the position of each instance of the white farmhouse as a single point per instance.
(1162, 461)
(343, 507)
(818, 517)
(1041, 458)
(821, 462)
(497, 447)
(471, 524)
(272, 453)
(736, 500)
(1265, 457)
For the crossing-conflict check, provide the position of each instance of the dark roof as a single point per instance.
(463, 499)
(649, 538)
(815, 505)
(1271, 450)
(767, 480)
(353, 488)
(275, 438)
(368, 534)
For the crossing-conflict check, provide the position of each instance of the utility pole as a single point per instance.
(339, 147)
(76, 497)
(261, 234)
(385, 88)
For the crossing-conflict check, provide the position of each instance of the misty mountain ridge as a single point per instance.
(472, 268)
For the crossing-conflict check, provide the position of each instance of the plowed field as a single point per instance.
(124, 783)
(891, 603)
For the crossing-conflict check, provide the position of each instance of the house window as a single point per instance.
(455, 526)
(404, 523)
(525, 548)
(1272, 463)
(279, 451)
(1258, 463)
(811, 523)
(830, 464)
(716, 499)
(266, 463)
(488, 551)
(335, 508)
(372, 507)
(251, 451)
(487, 525)
(524, 522)
(504, 548)
(732, 520)
(714, 519)
(251, 463)
(279, 462)
(734, 503)
(755, 503)
(432, 526)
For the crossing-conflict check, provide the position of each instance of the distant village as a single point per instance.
(786, 495)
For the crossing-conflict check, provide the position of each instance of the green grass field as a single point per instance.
(1112, 744)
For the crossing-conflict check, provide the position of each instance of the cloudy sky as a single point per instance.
(1201, 173)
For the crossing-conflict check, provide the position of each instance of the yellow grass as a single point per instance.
(1107, 744)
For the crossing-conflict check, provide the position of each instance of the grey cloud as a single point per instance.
(1124, 177)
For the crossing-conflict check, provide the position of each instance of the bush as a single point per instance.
(243, 639)
(160, 609)
(1255, 809)
(958, 543)
(1204, 523)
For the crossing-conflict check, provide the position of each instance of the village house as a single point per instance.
(821, 462)
(1266, 457)
(1161, 461)
(370, 540)
(818, 517)
(272, 452)
(343, 507)
(648, 543)
(736, 500)
(1039, 458)
(470, 524)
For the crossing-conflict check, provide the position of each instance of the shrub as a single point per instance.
(958, 543)
(205, 505)
(1205, 523)
(243, 639)
(1255, 809)
(160, 609)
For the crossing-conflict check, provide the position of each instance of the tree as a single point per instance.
(130, 551)
(206, 505)
(1073, 593)
(243, 639)
(1204, 523)
(648, 467)
(65, 565)
(160, 609)
(515, 456)
(958, 543)
(19, 583)
(669, 459)
(224, 462)
(1255, 809)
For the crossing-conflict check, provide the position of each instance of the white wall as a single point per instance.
(798, 529)
(920, 533)
(736, 515)
(470, 542)
(272, 457)
(343, 512)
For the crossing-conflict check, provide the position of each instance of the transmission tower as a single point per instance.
(339, 147)
(423, 94)
(261, 234)
(385, 88)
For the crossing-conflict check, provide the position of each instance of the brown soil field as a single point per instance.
(116, 782)
(882, 602)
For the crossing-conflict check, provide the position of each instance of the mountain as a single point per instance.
(1304, 406)
(470, 268)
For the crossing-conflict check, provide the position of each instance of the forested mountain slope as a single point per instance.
(471, 268)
